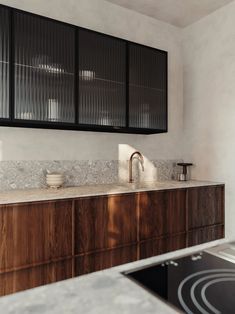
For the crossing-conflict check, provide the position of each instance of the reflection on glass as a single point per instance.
(87, 75)
(53, 109)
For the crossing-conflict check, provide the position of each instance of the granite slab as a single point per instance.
(33, 195)
(103, 292)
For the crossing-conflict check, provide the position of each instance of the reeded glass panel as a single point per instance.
(102, 94)
(44, 69)
(147, 88)
(4, 63)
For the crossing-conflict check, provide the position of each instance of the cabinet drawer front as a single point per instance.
(162, 245)
(105, 222)
(97, 261)
(162, 213)
(205, 206)
(34, 232)
(33, 277)
(203, 235)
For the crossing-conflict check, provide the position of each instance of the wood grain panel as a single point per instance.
(34, 232)
(105, 231)
(163, 245)
(162, 213)
(205, 206)
(61, 226)
(33, 277)
(202, 235)
(105, 222)
(101, 260)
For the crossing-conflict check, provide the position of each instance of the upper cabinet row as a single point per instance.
(57, 75)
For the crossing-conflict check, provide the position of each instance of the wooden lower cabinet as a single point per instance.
(33, 233)
(105, 222)
(202, 235)
(44, 242)
(163, 245)
(101, 260)
(162, 213)
(33, 277)
(205, 206)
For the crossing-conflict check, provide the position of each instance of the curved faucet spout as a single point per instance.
(141, 159)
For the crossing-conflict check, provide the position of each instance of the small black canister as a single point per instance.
(184, 176)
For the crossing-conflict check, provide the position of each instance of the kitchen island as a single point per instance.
(103, 292)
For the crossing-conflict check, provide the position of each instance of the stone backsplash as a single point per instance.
(31, 174)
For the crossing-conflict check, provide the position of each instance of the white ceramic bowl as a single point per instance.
(54, 180)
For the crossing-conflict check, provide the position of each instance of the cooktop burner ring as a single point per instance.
(220, 273)
(203, 296)
(203, 292)
(202, 283)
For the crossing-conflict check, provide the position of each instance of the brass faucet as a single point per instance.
(141, 159)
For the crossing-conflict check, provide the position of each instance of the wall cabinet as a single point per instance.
(56, 75)
(43, 242)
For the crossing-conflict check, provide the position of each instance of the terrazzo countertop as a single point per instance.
(103, 292)
(32, 195)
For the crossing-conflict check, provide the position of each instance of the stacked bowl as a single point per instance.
(54, 180)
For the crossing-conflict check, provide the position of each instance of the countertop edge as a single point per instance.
(70, 193)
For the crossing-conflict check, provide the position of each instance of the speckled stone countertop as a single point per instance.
(103, 292)
(32, 195)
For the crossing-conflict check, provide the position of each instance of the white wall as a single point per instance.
(36, 144)
(209, 102)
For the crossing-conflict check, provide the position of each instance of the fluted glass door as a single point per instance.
(44, 69)
(147, 88)
(102, 80)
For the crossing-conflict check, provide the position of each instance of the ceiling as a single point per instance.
(176, 12)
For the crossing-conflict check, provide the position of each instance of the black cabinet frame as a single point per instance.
(12, 122)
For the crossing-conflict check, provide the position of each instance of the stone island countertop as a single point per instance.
(103, 292)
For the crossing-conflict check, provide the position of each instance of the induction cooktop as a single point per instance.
(201, 283)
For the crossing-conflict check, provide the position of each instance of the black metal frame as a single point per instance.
(12, 122)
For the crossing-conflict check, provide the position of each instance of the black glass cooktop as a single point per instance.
(201, 283)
